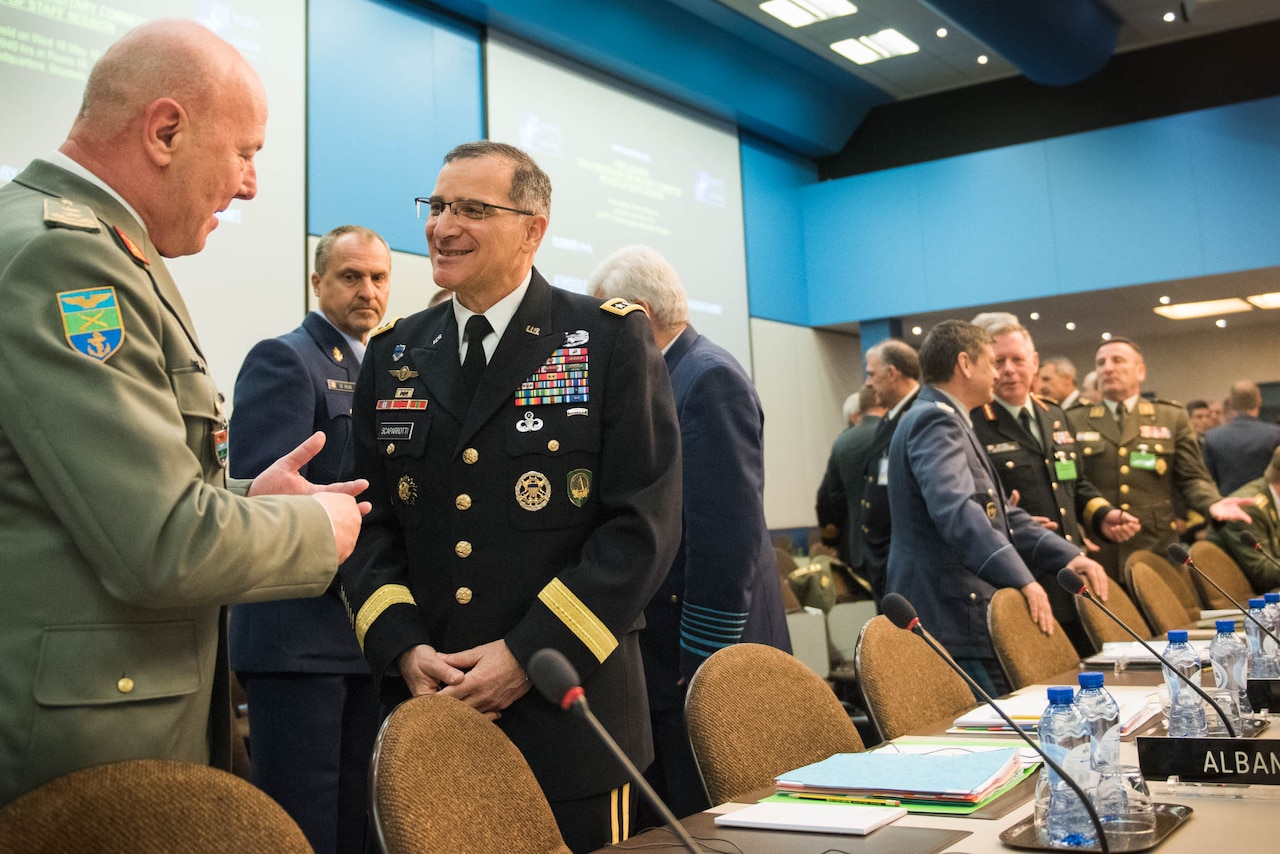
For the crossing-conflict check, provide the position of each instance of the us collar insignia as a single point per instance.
(91, 322)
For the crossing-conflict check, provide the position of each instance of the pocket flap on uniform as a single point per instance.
(117, 663)
(195, 392)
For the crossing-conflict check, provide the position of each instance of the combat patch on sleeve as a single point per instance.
(620, 306)
(64, 213)
(91, 322)
(384, 327)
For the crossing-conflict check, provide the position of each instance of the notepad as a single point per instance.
(812, 817)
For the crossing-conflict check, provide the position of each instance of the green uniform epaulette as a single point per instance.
(1043, 402)
(64, 213)
(620, 306)
(1172, 403)
(384, 327)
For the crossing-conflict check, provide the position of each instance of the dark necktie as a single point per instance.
(1024, 417)
(1121, 410)
(474, 364)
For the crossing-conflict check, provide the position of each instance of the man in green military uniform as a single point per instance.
(1139, 453)
(119, 538)
(1264, 525)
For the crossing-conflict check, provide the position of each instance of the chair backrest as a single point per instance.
(1157, 600)
(1102, 629)
(444, 778)
(755, 712)
(1027, 654)
(148, 806)
(1222, 568)
(1173, 576)
(903, 682)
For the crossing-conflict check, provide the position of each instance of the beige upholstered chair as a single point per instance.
(445, 779)
(1222, 568)
(1174, 577)
(1027, 654)
(903, 682)
(148, 806)
(1102, 629)
(1160, 605)
(755, 712)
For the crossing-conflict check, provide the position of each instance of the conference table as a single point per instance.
(1224, 819)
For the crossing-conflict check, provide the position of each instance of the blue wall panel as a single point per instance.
(774, 228)
(389, 91)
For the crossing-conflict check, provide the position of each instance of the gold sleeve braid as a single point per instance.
(382, 599)
(571, 611)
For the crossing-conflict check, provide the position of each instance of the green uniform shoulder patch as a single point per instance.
(64, 213)
(91, 322)
(384, 327)
(620, 306)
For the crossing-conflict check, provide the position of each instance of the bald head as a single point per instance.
(171, 119)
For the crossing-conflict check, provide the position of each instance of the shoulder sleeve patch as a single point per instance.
(64, 213)
(384, 327)
(620, 306)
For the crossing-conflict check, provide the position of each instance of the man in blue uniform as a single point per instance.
(523, 452)
(723, 586)
(955, 539)
(312, 706)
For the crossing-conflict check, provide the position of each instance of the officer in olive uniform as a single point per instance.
(534, 503)
(119, 540)
(1264, 525)
(1138, 453)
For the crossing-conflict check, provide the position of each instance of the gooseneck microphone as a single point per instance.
(1251, 541)
(555, 678)
(1178, 553)
(903, 615)
(1074, 584)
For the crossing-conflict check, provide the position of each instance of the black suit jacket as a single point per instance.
(876, 527)
(288, 388)
(545, 524)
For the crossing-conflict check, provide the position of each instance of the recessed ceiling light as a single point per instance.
(1221, 323)
(1071, 325)
(1271, 300)
(942, 32)
(982, 60)
(801, 13)
(1205, 308)
(1035, 315)
(875, 47)
(1106, 336)
(916, 330)
(1165, 300)
(1170, 17)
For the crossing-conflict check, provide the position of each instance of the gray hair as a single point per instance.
(1064, 366)
(530, 186)
(998, 323)
(640, 274)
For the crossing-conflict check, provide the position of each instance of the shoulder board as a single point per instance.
(1172, 403)
(1096, 411)
(1146, 407)
(384, 327)
(620, 306)
(64, 213)
(945, 407)
(989, 411)
(1040, 402)
(1261, 501)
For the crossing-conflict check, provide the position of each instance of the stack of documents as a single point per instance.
(899, 778)
(1137, 706)
(1136, 655)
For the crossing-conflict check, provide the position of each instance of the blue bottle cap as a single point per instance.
(1059, 694)
(1271, 597)
(1093, 678)
(1177, 635)
(1257, 602)
(1226, 626)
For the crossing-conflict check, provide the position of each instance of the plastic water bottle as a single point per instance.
(1273, 623)
(1229, 656)
(1186, 709)
(1101, 715)
(1261, 665)
(1065, 739)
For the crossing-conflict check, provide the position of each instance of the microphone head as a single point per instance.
(1071, 581)
(899, 611)
(553, 675)
(1250, 541)
(1178, 553)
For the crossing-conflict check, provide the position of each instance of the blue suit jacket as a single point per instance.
(723, 586)
(1238, 451)
(288, 388)
(955, 540)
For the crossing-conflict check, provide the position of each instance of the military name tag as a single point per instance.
(1089, 436)
(882, 478)
(395, 430)
(1065, 469)
(1143, 460)
(341, 385)
(1002, 448)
